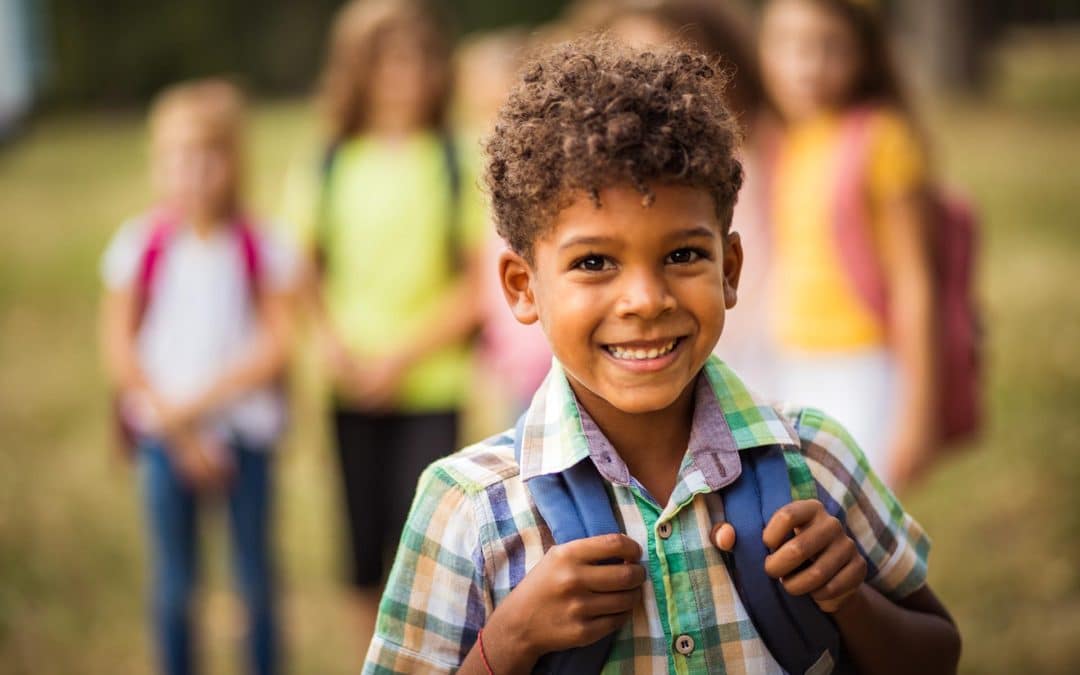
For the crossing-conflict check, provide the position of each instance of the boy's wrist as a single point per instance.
(854, 606)
(507, 645)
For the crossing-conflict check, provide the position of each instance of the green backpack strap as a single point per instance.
(455, 243)
(322, 208)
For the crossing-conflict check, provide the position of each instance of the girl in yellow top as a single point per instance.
(391, 229)
(826, 69)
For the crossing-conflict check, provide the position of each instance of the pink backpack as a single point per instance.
(162, 227)
(955, 229)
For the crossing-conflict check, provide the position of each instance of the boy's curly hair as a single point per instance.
(591, 114)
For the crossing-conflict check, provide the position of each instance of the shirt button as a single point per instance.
(664, 530)
(684, 644)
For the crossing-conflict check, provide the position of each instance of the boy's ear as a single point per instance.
(733, 260)
(515, 276)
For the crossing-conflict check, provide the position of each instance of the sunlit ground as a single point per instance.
(1005, 516)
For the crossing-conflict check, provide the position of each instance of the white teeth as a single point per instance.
(640, 354)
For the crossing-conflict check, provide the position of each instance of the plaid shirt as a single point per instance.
(474, 533)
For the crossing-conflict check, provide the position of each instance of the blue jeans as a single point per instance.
(171, 508)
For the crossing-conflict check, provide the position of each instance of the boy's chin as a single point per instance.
(642, 401)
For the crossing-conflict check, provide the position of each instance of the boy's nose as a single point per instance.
(644, 295)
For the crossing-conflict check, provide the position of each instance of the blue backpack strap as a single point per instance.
(575, 505)
(801, 637)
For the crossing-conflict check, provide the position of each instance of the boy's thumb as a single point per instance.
(723, 536)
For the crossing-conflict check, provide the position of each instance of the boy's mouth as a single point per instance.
(643, 351)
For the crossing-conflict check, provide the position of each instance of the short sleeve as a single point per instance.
(120, 261)
(435, 600)
(892, 542)
(897, 161)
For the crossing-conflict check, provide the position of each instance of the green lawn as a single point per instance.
(1005, 516)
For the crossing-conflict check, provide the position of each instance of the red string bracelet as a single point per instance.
(483, 654)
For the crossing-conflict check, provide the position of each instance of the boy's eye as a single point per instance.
(685, 256)
(593, 263)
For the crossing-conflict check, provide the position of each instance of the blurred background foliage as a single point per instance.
(111, 52)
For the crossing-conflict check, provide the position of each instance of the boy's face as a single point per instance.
(631, 297)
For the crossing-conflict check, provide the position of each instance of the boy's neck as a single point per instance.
(651, 444)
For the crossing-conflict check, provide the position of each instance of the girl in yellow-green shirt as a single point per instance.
(843, 118)
(391, 225)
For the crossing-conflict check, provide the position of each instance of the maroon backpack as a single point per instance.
(954, 229)
(163, 225)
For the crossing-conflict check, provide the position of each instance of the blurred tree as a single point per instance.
(112, 52)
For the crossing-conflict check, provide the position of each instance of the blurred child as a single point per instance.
(847, 151)
(386, 224)
(622, 525)
(196, 334)
(721, 29)
(512, 358)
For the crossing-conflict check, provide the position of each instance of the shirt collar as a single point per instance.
(728, 417)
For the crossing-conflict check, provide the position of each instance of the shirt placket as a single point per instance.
(669, 574)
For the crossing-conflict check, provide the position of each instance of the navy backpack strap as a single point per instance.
(801, 637)
(575, 505)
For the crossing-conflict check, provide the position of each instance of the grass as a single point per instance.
(1005, 514)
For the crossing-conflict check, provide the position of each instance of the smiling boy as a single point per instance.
(613, 176)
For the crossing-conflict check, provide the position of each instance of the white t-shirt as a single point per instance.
(200, 320)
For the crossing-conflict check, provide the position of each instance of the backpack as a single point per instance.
(575, 504)
(955, 229)
(452, 164)
(162, 227)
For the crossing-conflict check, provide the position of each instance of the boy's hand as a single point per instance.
(567, 600)
(836, 569)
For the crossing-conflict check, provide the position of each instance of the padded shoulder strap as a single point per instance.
(162, 226)
(249, 249)
(454, 236)
(322, 205)
(799, 635)
(575, 505)
(852, 226)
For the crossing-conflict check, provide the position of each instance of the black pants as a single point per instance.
(382, 456)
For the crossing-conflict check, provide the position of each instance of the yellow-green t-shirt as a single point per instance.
(385, 222)
(816, 306)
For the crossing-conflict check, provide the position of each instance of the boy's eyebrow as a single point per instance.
(695, 231)
(585, 241)
(685, 233)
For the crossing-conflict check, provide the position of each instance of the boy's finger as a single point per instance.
(786, 519)
(723, 536)
(603, 625)
(612, 578)
(846, 582)
(812, 540)
(825, 568)
(606, 604)
(604, 547)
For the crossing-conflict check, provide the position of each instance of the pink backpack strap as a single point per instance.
(853, 229)
(162, 227)
(249, 249)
